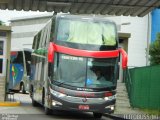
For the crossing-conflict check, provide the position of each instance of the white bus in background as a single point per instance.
(20, 69)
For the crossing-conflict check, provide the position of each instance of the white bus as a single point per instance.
(75, 65)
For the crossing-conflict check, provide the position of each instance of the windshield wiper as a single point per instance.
(59, 83)
(62, 83)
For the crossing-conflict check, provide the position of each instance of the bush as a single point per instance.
(154, 51)
(1, 22)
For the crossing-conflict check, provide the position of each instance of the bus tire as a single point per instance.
(31, 91)
(22, 88)
(34, 103)
(43, 97)
(97, 115)
(47, 110)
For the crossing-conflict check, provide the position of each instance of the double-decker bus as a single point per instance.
(74, 65)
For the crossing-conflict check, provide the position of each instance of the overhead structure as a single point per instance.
(104, 7)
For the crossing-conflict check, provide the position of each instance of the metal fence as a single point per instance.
(143, 86)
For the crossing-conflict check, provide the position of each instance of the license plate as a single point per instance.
(83, 107)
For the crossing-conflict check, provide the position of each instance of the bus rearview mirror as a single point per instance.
(124, 58)
(51, 53)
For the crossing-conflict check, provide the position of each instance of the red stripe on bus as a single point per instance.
(86, 53)
(124, 58)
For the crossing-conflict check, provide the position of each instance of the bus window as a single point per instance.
(87, 32)
(17, 57)
(1, 65)
(28, 61)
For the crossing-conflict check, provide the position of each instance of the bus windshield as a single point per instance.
(86, 31)
(85, 72)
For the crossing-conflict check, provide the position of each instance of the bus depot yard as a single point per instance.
(25, 111)
(73, 71)
(77, 67)
(90, 86)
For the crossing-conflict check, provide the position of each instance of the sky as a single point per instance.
(6, 15)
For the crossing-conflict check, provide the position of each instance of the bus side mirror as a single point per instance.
(51, 53)
(124, 58)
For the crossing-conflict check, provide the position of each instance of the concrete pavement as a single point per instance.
(27, 112)
(122, 102)
(10, 102)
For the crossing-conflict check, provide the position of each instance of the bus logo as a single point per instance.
(84, 99)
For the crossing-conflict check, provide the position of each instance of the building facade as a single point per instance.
(138, 43)
(5, 44)
(23, 30)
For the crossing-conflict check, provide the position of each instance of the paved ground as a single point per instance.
(26, 112)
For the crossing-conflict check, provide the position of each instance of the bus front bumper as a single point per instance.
(84, 104)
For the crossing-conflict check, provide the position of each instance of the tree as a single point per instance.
(154, 51)
(1, 23)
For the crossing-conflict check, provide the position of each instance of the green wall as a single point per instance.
(143, 85)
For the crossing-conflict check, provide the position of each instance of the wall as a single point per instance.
(138, 41)
(143, 87)
(5, 38)
(24, 29)
(137, 44)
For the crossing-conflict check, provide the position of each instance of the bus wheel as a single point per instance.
(97, 115)
(34, 103)
(48, 111)
(22, 88)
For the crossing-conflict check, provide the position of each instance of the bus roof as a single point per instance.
(85, 17)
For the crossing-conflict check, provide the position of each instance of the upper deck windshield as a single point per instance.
(86, 31)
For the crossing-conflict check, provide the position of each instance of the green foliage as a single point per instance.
(151, 112)
(154, 51)
(1, 23)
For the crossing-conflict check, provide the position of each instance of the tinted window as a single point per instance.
(85, 72)
(1, 65)
(87, 32)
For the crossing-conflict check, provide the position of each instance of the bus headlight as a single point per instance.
(54, 103)
(105, 98)
(61, 95)
(110, 98)
(57, 94)
(111, 107)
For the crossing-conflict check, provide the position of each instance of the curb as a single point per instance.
(114, 117)
(9, 104)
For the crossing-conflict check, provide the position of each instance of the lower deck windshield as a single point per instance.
(85, 72)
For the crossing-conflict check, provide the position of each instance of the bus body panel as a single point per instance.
(39, 64)
(46, 85)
